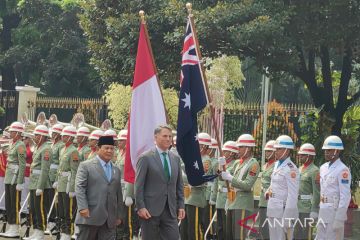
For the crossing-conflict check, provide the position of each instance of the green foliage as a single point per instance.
(2, 111)
(119, 98)
(224, 77)
(50, 51)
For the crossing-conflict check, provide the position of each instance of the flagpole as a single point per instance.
(143, 22)
(212, 110)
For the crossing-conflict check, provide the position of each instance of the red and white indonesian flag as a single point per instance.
(147, 107)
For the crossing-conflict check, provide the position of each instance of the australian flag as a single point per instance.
(193, 98)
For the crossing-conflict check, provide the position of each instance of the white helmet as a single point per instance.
(214, 144)
(204, 139)
(269, 146)
(83, 131)
(112, 133)
(284, 141)
(96, 134)
(231, 146)
(41, 130)
(246, 140)
(333, 142)
(17, 127)
(57, 128)
(123, 134)
(307, 149)
(69, 131)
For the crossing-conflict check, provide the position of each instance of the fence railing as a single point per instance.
(248, 118)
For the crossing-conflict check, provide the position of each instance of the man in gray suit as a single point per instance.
(159, 192)
(98, 194)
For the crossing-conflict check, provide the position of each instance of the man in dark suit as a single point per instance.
(159, 189)
(98, 194)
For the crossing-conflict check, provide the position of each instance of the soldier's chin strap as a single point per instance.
(244, 153)
(334, 154)
(272, 153)
(282, 154)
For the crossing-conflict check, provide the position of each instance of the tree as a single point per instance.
(9, 19)
(50, 51)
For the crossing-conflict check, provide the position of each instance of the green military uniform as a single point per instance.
(39, 179)
(219, 195)
(193, 227)
(54, 166)
(131, 223)
(244, 176)
(84, 152)
(208, 209)
(69, 163)
(265, 184)
(309, 198)
(14, 174)
(92, 153)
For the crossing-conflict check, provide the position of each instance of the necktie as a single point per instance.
(108, 171)
(166, 166)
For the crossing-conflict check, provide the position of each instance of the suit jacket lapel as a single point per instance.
(158, 162)
(100, 169)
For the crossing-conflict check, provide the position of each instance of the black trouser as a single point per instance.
(208, 214)
(221, 224)
(50, 193)
(234, 230)
(66, 210)
(191, 227)
(131, 225)
(37, 210)
(12, 203)
(303, 231)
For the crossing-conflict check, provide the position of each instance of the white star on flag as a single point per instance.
(187, 101)
(196, 138)
(196, 165)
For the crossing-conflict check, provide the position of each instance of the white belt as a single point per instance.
(54, 166)
(36, 171)
(13, 166)
(65, 174)
(305, 197)
(223, 189)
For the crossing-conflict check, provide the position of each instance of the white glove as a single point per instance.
(72, 194)
(314, 215)
(19, 187)
(55, 184)
(212, 203)
(221, 161)
(128, 201)
(38, 192)
(226, 176)
(337, 224)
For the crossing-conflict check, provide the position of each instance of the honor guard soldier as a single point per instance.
(30, 147)
(267, 170)
(39, 181)
(3, 161)
(69, 163)
(14, 179)
(120, 161)
(56, 146)
(283, 192)
(309, 191)
(335, 194)
(195, 197)
(112, 133)
(93, 141)
(242, 178)
(82, 136)
(220, 191)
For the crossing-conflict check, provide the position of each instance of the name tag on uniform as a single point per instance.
(344, 181)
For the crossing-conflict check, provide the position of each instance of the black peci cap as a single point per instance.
(106, 140)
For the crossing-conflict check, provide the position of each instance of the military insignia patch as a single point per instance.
(345, 174)
(46, 155)
(253, 170)
(293, 174)
(74, 156)
(290, 165)
(21, 150)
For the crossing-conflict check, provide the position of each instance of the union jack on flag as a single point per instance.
(193, 98)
